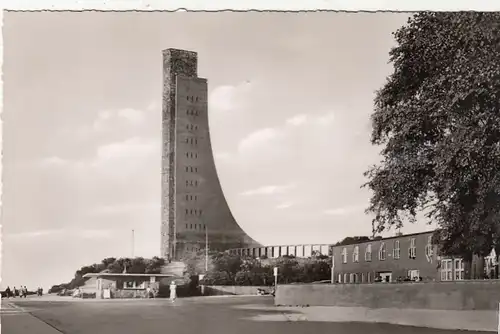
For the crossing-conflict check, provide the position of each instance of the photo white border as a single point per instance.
(258, 5)
(229, 5)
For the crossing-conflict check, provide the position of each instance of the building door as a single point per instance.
(99, 288)
(413, 274)
(386, 277)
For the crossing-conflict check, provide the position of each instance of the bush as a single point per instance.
(217, 278)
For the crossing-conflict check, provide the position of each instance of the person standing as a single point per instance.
(173, 291)
(8, 293)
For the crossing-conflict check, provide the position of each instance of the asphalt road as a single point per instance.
(185, 316)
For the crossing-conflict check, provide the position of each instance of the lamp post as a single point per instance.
(333, 268)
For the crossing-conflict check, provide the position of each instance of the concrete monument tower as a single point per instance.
(194, 208)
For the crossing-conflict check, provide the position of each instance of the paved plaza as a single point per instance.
(242, 315)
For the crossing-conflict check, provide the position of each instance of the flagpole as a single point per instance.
(206, 250)
(133, 243)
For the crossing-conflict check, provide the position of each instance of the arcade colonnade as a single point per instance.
(300, 251)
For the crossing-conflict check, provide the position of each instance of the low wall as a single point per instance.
(217, 290)
(465, 295)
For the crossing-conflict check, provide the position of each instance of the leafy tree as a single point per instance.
(228, 263)
(217, 278)
(316, 270)
(154, 265)
(287, 269)
(195, 263)
(352, 240)
(437, 118)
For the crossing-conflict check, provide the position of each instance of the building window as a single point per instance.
(369, 277)
(428, 248)
(345, 278)
(368, 253)
(352, 278)
(186, 226)
(134, 285)
(355, 254)
(382, 252)
(396, 252)
(412, 250)
(344, 255)
(459, 269)
(339, 278)
(446, 270)
(362, 277)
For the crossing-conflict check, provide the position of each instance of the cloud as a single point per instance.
(122, 158)
(229, 98)
(153, 106)
(267, 137)
(345, 211)
(135, 148)
(107, 119)
(116, 159)
(223, 157)
(133, 116)
(258, 138)
(297, 120)
(53, 161)
(323, 119)
(283, 206)
(268, 190)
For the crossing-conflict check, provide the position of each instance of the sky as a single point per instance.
(290, 96)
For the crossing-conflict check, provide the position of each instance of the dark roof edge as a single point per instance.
(386, 238)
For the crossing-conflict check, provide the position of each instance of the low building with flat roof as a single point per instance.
(121, 285)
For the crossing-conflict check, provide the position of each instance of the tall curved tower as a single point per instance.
(194, 208)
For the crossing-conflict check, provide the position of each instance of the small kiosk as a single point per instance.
(122, 285)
